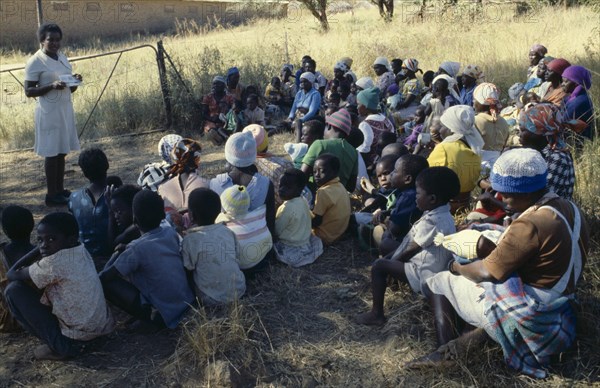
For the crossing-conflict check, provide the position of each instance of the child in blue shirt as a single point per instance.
(89, 207)
(147, 278)
(404, 212)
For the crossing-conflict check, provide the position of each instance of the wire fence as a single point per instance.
(112, 101)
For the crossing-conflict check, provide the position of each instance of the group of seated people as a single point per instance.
(390, 165)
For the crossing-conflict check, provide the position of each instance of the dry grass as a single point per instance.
(497, 42)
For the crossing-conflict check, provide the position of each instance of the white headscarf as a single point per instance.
(460, 120)
(365, 83)
(308, 76)
(382, 61)
(451, 68)
(451, 84)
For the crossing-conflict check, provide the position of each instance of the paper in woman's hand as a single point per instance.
(69, 79)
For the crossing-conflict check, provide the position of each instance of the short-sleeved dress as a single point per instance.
(55, 131)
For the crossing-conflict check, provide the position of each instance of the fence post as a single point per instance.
(164, 83)
(40, 13)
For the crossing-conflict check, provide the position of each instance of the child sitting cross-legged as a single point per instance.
(54, 291)
(146, 278)
(417, 258)
(211, 251)
(17, 225)
(331, 213)
(249, 227)
(295, 245)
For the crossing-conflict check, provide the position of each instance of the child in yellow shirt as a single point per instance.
(332, 204)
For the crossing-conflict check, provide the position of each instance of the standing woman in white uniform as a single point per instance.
(55, 132)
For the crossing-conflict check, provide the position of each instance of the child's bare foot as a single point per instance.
(370, 319)
(43, 352)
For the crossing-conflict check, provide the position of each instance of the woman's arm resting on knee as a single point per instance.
(474, 271)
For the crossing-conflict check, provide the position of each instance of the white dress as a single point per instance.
(55, 131)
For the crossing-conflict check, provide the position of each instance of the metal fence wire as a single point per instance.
(162, 59)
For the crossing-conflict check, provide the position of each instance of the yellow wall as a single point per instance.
(86, 18)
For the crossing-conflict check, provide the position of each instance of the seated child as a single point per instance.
(295, 245)
(121, 229)
(17, 224)
(333, 103)
(331, 213)
(396, 149)
(249, 227)
(489, 207)
(89, 206)
(134, 279)
(241, 156)
(347, 99)
(154, 174)
(211, 251)
(384, 140)
(390, 232)
(253, 114)
(417, 258)
(414, 128)
(273, 92)
(233, 118)
(426, 142)
(379, 200)
(54, 291)
(311, 130)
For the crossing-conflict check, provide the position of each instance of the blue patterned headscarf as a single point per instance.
(232, 71)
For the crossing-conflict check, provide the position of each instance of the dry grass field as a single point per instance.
(295, 327)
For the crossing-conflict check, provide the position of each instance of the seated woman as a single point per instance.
(154, 174)
(385, 76)
(339, 74)
(181, 179)
(551, 90)
(411, 90)
(240, 154)
(374, 125)
(306, 103)
(471, 76)
(536, 53)
(460, 152)
(210, 104)
(443, 96)
(541, 128)
(267, 164)
(534, 84)
(493, 128)
(450, 68)
(529, 278)
(577, 81)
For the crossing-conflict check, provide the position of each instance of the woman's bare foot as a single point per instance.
(370, 319)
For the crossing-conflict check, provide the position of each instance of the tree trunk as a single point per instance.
(318, 8)
(323, 21)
